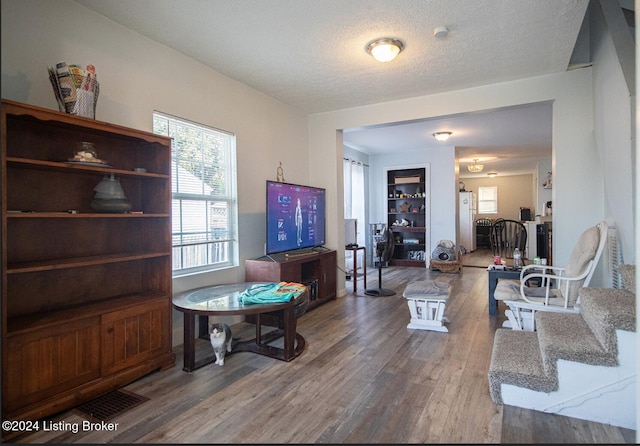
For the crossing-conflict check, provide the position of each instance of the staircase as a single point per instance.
(578, 365)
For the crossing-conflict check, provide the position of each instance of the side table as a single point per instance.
(494, 275)
(223, 300)
(354, 250)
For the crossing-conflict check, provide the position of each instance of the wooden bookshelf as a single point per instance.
(86, 296)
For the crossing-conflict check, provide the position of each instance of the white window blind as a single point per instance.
(204, 195)
(488, 200)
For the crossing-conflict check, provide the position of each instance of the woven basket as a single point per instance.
(302, 302)
(453, 266)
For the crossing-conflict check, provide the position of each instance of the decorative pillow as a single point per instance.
(424, 288)
(583, 252)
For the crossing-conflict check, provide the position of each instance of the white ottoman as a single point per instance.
(427, 300)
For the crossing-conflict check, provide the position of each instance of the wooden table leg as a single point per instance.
(203, 327)
(355, 266)
(493, 304)
(294, 343)
(364, 265)
(258, 329)
(289, 333)
(189, 342)
(355, 270)
(189, 362)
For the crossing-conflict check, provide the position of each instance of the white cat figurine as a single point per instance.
(220, 335)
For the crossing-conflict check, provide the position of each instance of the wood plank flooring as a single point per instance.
(363, 378)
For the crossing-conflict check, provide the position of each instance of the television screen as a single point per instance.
(295, 216)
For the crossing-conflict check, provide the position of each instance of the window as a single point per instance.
(204, 195)
(354, 195)
(487, 200)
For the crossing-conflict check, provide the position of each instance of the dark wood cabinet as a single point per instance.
(46, 362)
(407, 215)
(86, 296)
(133, 335)
(318, 270)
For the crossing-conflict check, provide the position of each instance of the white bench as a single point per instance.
(427, 300)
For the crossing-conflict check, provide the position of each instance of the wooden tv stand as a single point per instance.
(318, 269)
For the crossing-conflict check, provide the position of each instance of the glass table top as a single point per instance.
(220, 298)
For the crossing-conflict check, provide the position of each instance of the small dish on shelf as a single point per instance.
(89, 163)
(87, 155)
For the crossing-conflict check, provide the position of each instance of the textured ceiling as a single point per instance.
(310, 53)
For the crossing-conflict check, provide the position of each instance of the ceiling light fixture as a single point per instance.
(492, 174)
(475, 167)
(384, 49)
(442, 136)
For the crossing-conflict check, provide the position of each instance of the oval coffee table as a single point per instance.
(223, 300)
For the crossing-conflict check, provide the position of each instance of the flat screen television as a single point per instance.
(295, 216)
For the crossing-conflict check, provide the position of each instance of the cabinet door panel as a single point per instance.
(328, 280)
(134, 335)
(51, 360)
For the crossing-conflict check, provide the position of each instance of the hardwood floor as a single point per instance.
(363, 378)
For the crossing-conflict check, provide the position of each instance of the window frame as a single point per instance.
(225, 197)
(483, 201)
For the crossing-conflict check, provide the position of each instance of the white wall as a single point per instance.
(514, 192)
(542, 195)
(612, 113)
(138, 76)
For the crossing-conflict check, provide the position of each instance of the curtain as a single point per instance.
(346, 169)
(354, 198)
(358, 199)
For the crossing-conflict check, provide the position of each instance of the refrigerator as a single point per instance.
(467, 213)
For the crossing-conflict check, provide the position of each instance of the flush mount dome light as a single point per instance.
(384, 49)
(442, 136)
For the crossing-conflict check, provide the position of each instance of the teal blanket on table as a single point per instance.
(269, 293)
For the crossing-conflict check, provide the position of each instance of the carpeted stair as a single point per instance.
(529, 360)
(602, 309)
(516, 360)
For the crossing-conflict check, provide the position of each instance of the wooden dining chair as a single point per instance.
(507, 235)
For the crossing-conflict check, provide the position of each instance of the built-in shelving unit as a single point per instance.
(407, 215)
(86, 296)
